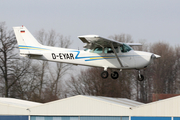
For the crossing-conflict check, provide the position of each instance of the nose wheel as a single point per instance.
(140, 77)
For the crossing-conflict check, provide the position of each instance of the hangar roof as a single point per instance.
(91, 106)
(165, 107)
(12, 106)
(86, 105)
(27, 104)
(18, 103)
(119, 101)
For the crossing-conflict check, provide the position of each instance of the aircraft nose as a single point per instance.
(155, 56)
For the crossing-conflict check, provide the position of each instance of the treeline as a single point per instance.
(44, 81)
(28, 79)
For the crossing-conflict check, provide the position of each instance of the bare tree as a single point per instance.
(10, 72)
(51, 73)
(26, 86)
(176, 87)
(164, 68)
(61, 68)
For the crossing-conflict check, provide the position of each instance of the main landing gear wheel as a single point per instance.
(104, 74)
(114, 75)
(140, 77)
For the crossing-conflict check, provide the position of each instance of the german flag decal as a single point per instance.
(22, 31)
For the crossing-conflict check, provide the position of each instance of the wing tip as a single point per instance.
(87, 36)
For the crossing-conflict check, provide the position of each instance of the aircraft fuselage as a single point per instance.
(130, 60)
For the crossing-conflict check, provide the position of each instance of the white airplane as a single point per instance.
(99, 52)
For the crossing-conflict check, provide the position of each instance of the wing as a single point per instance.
(93, 41)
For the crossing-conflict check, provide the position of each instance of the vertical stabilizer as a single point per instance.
(27, 43)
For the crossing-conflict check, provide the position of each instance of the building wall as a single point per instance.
(103, 118)
(79, 118)
(154, 118)
(53, 118)
(176, 118)
(151, 118)
(13, 117)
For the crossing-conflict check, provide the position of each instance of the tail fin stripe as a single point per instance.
(31, 48)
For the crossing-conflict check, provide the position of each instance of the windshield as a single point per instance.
(125, 48)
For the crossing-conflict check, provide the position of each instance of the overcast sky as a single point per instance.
(153, 20)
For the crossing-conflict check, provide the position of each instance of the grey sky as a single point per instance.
(153, 20)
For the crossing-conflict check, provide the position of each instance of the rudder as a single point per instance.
(27, 43)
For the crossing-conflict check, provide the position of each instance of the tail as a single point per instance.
(28, 45)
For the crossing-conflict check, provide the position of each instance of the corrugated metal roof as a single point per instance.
(82, 105)
(27, 104)
(119, 101)
(165, 107)
(18, 103)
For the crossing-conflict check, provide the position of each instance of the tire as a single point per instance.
(104, 74)
(114, 75)
(140, 77)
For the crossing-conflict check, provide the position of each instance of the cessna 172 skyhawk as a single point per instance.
(99, 52)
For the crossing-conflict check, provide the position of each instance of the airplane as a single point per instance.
(99, 52)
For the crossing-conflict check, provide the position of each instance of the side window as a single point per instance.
(117, 49)
(98, 50)
(110, 50)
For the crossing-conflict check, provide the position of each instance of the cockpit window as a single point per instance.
(125, 48)
(110, 50)
(98, 50)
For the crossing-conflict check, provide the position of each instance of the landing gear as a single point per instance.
(140, 77)
(104, 74)
(114, 75)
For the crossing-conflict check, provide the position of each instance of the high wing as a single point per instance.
(93, 41)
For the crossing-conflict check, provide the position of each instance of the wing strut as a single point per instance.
(116, 54)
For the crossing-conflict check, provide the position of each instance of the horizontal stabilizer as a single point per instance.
(36, 54)
(30, 54)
